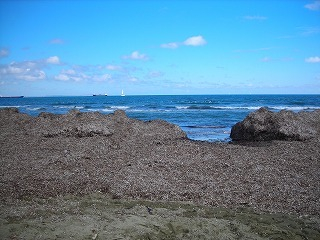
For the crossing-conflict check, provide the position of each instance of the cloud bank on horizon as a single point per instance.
(198, 47)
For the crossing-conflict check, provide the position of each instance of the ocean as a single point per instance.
(202, 117)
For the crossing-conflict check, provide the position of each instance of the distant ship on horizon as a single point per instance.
(11, 96)
(122, 93)
(97, 95)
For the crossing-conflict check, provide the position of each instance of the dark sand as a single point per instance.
(120, 159)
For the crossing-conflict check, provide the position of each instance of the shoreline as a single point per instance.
(80, 154)
(201, 117)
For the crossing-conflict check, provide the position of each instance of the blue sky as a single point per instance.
(159, 47)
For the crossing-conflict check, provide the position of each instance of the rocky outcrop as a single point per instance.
(72, 124)
(90, 124)
(264, 125)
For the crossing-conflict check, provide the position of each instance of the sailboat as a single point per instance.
(122, 93)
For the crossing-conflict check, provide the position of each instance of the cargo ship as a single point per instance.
(11, 96)
(98, 95)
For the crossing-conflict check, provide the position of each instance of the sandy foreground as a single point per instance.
(94, 176)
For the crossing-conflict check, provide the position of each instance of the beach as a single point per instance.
(113, 158)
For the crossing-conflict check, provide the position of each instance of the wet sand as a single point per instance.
(128, 160)
(96, 216)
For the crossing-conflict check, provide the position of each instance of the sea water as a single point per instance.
(202, 117)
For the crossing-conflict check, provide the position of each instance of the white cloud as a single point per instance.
(191, 41)
(172, 45)
(83, 73)
(256, 17)
(195, 41)
(101, 78)
(28, 71)
(13, 68)
(315, 6)
(53, 60)
(136, 56)
(132, 79)
(62, 77)
(313, 60)
(71, 75)
(33, 76)
(36, 70)
(4, 52)
(68, 74)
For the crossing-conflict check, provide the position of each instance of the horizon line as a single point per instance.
(213, 94)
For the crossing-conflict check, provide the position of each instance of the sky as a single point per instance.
(150, 47)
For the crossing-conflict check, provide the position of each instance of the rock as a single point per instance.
(9, 110)
(12, 121)
(91, 124)
(264, 125)
(133, 130)
(72, 124)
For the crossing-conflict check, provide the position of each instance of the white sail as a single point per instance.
(122, 93)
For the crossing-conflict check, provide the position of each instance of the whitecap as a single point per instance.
(182, 107)
(119, 107)
(10, 106)
(302, 108)
(36, 109)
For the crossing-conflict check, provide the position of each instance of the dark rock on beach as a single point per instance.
(265, 125)
(77, 124)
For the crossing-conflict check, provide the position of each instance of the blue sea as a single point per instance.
(202, 117)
